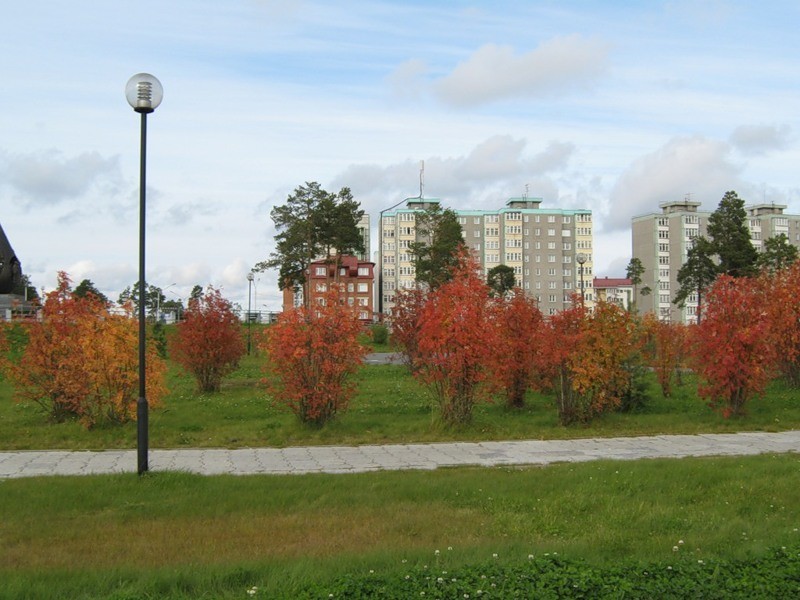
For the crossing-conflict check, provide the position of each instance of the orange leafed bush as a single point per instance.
(312, 354)
(515, 368)
(733, 349)
(666, 349)
(457, 340)
(209, 342)
(81, 360)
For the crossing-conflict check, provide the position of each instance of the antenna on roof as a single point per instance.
(525, 196)
(687, 197)
(421, 177)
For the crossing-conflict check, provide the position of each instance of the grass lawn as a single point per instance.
(181, 536)
(172, 535)
(389, 407)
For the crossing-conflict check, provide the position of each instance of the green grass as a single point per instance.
(173, 535)
(389, 407)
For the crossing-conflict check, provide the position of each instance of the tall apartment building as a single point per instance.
(662, 241)
(541, 245)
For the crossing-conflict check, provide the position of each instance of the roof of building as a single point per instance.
(609, 282)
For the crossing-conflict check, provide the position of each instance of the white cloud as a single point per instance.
(686, 165)
(494, 170)
(47, 177)
(408, 80)
(495, 72)
(760, 139)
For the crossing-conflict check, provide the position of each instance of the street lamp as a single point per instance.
(581, 258)
(250, 277)
(144, 93)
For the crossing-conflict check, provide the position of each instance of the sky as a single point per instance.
(609, 106)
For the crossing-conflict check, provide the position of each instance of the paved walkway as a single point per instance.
(355, 459)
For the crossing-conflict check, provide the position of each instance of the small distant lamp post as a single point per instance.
(581, 258)
(249, 316)
(144, 93)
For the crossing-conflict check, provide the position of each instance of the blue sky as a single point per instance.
(611, 106)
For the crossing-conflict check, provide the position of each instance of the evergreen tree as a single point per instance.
(501, 280)
(778, 254)
(440, 238)
(697, 273)
(86, 287)
(730, 237)
(634, 272)
(311, 224)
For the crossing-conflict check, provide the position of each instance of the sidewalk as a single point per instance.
(356, 459)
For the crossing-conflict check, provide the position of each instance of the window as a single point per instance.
(406, 231)
(363, 288)
(320, 271)
(513, 229)
(407, 216)
(567, 219)
(551, 285)
(551, 245)
(476, 220)
(350, 287)
(551, 258)
(663, 247)
(514, 216)
(551, 272)
(566, 246)
(566, 233)
(551, 232)
(476, 233)
(552, 298)
(363, 315)
(321, 287)
(551, 218)
(663, 234)
(363, 271)
(363, 301)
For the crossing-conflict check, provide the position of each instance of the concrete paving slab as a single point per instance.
(359, 459)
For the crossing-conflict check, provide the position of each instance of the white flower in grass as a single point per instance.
(674, 548)
(494, 555)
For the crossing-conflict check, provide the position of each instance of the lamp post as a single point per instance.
(581, 258)
(249, 316)
(144, 93)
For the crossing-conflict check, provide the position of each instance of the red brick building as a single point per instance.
(356, 278)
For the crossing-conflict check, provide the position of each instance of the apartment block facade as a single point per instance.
(542, 245)
(662, 242)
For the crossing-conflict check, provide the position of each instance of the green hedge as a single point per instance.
(776, 575)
